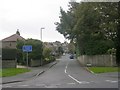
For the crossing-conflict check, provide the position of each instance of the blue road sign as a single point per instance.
(27, 48)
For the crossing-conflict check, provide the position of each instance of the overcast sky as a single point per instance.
(29, 16)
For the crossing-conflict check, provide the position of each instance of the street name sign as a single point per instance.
(27, 48)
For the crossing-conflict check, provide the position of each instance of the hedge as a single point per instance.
(9, 54)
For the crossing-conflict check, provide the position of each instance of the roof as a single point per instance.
(13, 37)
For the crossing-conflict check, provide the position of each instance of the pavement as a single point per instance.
(35, 71)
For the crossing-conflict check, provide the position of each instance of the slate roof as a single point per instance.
(13, 37)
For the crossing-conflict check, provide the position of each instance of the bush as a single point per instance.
(36, 53)
(46, 52)
(9, 54)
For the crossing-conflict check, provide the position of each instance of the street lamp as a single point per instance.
(41, 32)
(41, 41)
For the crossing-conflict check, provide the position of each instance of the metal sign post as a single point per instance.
(27, 48)
(27, 60)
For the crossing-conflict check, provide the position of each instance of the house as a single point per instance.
(11, 41)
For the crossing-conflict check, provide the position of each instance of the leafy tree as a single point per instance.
(118, 39)
(92, 26)
(71, 47)
(47, 53)
(37, 49)
(60, 50)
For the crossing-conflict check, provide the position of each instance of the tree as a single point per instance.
(47, 52)
(60, 50)
(71, 48)
(37, 49)
(67, 21)
(92, 26)
(118, 39)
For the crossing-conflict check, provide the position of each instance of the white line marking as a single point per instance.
(75, 79)
(66, 68)
(111, 81)
(84, 82)
(24, 85)
(70, 83)
(65, 71)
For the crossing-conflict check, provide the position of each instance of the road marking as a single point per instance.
(23, 85)
(85, 82)
(75, 79)
(66, 68)
(80, 82)
(65, 71)
(71, 76)
(111, 81)
(70, 83)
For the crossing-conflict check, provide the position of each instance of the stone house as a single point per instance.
(11, 41)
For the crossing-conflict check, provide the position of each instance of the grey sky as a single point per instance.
(29, 16)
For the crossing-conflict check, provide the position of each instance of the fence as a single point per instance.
(98, 60)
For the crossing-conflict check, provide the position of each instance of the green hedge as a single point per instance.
(9, 54)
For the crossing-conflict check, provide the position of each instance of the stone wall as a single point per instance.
(9, 44)
(97, 60)
(9, 63)
(34, 63)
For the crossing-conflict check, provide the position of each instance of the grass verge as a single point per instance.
(12, 71)
(103, 69)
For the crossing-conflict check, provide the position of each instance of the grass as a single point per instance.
(12, 71)
(103, 69)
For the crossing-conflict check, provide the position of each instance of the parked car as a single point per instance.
(71, 56)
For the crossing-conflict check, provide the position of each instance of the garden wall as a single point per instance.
(97, 60)
(9, 63)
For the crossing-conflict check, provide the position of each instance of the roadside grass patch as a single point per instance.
(12, 71)
(103, 69)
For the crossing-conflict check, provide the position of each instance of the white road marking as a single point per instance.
(111, 81)
(66, 68)
(80, 82)
(85, 82)
(65, 71)
(70, 83)
(75, 79)
(24, 85)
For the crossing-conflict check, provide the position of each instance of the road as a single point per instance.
(67, 74)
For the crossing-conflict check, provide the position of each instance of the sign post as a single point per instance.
(27, 48)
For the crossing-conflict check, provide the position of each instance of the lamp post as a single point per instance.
(41, 32)
(41, 41)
